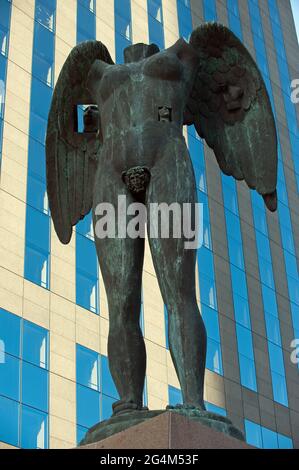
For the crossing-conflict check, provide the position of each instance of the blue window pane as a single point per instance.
(43, 55)
(279, 387)
(86, 292)
(214, 359)
(205, 262)
(247, 372)
(87, 274)
(120, 44)
(207, 291)
(244, 339)
(276, 358)
(88, 367)
(88, 406)
(37, 247)
(37, 195)
(45, 12)
(10, 377)
(9, 421)
(239, 281)
(123, 8)
(35, 344)
(34, 434)
(34, 386)
(85, 23)
(269, 439)
(174, 395)
(156, 33)
(210, 13)
(253, 434)
(241, 309)
(107, 384)
(273, 329)
(81, 431)
(210, 318)
(106, 407)
(215, 409)
(10, 333)
(284, 442)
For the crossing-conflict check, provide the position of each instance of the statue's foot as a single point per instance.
(185, 406)
(123, 406)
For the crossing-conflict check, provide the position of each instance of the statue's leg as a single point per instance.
(121, 261)
(172, 180)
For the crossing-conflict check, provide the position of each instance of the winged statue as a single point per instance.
(132, 145)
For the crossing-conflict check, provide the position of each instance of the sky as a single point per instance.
(295, 6)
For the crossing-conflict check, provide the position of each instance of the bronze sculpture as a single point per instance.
(133, 145)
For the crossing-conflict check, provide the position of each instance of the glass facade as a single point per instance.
(24, 377)
(205, 258)
(87, 273)
(123, 28)
(25, 346)
(37, 238)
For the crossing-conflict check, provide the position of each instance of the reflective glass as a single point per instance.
(87, 367)
(214, 358)
(107, 384)
(34, 433)
(88, 406)
(9, 421)
(10, 377)
(174, 395)
(81, 431)
(45, 12)
(35, 344)
(34, 386)
(247, 372)
(253, 434)
(284, 442)
(43, 54)
(10, 332)
(269, 439)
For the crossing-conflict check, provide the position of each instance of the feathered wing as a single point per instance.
(71, 157)
(230, 108)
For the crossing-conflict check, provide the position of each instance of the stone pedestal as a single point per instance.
(169, 430)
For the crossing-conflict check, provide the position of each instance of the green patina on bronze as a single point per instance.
(133, 145)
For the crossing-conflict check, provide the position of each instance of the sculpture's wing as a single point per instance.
(72, 156)
(231, 110)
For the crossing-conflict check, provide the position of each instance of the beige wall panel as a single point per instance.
(62, 430)
(170, 19)
(105, 25)
(11, 291)
(36, 307)
(139, 22)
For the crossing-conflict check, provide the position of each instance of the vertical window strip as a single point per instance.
(268, 291)
(264, 438)
(37, 244)
(283, 68)
(87, 278)
(123, 28)
(207, 281)
(236, 259)
(96, 391)
(24, 361)
(5, 15)
(155, 23)
(283, 205)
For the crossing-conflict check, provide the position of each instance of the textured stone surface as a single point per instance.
(122, 422)
(169, 430)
